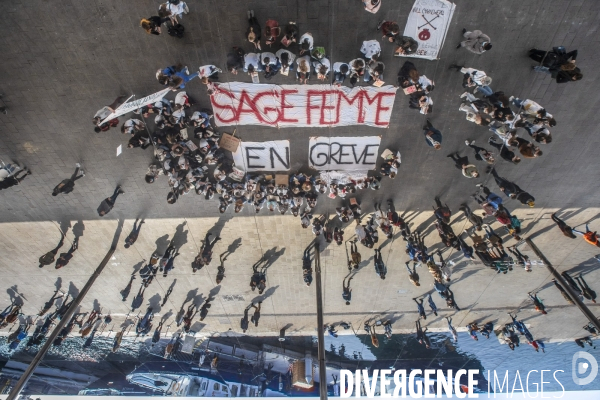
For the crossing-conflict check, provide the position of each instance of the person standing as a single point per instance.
(346, 291)
(104, 112)
(67, 185)
(564, 228)
(108, 203)
(476, 42)
(475, 78)
(433, 137)
(462, 163)
(152, 24)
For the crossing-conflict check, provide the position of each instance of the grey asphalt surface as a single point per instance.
(64, 60)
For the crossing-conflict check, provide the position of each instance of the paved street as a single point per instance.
(64, 60)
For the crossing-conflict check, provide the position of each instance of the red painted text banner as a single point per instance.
(284, 106)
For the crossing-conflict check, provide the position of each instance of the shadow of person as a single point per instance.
(271, 256)
(161, 244)
(64, 225)
(96, 306)
(232, 247)
(191, 295)
(58, 283)
(78, 229)
(214, 292)
(15, 297)
(73, 291)
(180, 236)
(197, 326)
(268, 293)
(166, 316)
(154, 302)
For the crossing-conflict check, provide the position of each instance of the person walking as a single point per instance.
(505, 152)
(512, 190)
(481, 154)
(473, 218)
(586, 291)
(245, 322)
(420, 308)
(588, 236)
(355, 257)
(539, 306)
(564, 228)
(380, 268)
(108, 203)
(413, 276)
(432, 305)
(462, 163)
(67, 185)
(475, 41)
(135, 232)
(433, 137)
(64, 258)
(256, 316)
(452, 330)
(48, 258)
(346, 291)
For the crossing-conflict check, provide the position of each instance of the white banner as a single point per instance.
(343, 153)
(237, 103)
(428, 24)
(263, 156)
(134, 105)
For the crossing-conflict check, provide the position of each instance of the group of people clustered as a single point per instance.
(185, 166)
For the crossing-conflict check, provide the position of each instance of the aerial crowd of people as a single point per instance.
(520, 128)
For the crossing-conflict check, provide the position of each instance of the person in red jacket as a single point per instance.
(589, 236)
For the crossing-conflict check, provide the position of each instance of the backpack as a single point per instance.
(177, 30)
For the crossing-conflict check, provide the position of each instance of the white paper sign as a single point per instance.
(119, 150)
(134, 105)
(263, 156)
(428, 24)
(343, 153)
(237, 103)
